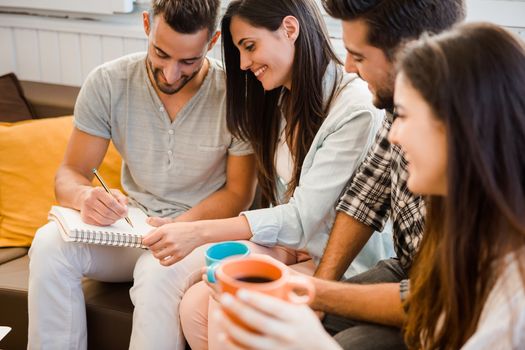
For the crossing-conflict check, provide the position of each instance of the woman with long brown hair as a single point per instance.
(460, 108)
(467, 285)
(310, 125)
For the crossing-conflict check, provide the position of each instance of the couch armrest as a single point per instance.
(8, 254)
(50, 100)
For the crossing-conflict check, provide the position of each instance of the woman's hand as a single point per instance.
(172, 242)
(159, 221)
(280, 324)
(214, 287)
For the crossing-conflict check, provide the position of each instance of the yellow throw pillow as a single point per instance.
(30, 153)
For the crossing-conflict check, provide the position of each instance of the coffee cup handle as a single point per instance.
(303, 284)
(210, 272)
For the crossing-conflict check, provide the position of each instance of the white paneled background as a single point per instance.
(62, 48)
(91, 6)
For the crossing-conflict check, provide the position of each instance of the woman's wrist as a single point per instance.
(203, 229)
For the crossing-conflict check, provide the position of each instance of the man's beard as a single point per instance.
(169, 89)
(384, 99)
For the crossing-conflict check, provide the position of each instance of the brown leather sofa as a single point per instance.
(108, 306)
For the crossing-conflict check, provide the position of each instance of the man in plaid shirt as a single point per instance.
(367, 312)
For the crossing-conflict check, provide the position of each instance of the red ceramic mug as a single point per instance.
(263, 274)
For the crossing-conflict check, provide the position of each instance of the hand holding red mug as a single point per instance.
(273, 324)
(263, 274)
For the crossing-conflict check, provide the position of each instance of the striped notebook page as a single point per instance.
(119, 234)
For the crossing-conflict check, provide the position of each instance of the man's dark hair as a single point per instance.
(188, 16)
(392, 22)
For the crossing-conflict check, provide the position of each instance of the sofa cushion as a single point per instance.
(30, 153)
(109, 310)
(13, 104)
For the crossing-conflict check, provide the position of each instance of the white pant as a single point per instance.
(57, 315)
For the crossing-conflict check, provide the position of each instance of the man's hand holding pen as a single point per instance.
(101, 208)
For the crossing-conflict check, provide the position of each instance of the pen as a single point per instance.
(107, 190)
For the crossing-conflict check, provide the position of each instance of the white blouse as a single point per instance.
(283, 158)
(305, 221)
(502, 321)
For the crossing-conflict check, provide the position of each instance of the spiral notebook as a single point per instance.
(119, 234)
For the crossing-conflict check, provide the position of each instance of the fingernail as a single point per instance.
(226, 299)
(243, 294)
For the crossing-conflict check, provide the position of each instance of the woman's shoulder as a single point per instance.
(354, 91)
(504, 309)
(351, 99)
(510, 283)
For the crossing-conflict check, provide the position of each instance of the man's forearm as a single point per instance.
(222, 204)
(376, 303)
(346, 240)
(69, 187)
(84, 152)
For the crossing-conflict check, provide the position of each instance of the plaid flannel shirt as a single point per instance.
(378, 190)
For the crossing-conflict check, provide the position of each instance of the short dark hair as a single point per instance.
(392, 22)
(188, 16)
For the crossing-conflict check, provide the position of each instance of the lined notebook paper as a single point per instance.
(120, 234)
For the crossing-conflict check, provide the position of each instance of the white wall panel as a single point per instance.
(26, 51)
(135, 45)
(49, 55)
(7, 54)
(65, 50)
(216, 51)
(91, 49)
(92, 6)
(70, 58)
(112, 47)
(509, 13)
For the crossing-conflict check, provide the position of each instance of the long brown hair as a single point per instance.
(254, 114)
(473, 77)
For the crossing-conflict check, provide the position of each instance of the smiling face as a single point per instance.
(369, 62)
(174, 59)
(267, 54)
(423, 139)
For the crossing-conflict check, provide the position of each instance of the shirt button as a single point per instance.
(170, 152)
(161, 108)
(401, 204)
(171, 132)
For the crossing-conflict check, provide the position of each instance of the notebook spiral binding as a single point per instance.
(116, 239)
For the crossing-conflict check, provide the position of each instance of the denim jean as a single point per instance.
(352, 334)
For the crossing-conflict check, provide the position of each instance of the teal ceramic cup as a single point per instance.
(223, 250)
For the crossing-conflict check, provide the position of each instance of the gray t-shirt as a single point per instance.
(168, 167)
